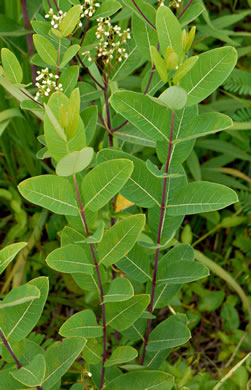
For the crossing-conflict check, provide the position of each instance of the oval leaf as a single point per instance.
(11, 66)
(52, 192)
(120, 290)
(82, 324)
(74, 162)
(105, 181)
(142, 380)
(8, 253)
(33, 374)
(70, 259)
(120, 239)
(45, 49)
(121, 355)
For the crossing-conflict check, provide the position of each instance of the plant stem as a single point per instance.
(82, 213)
(7, 345)
(161, 221)
(184, 10)
(108, 115)
(31, 98)
(142, 14)
(84, 32)
(56, 5)
(59, 49)
(29, 41)
(89, 73)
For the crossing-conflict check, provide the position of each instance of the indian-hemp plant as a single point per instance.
(122, 211)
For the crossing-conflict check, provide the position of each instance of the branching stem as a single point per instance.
(82, 213)
(161, 221)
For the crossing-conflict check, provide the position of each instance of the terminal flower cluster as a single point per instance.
(89, 8)
(111, 40)
(46, 83)
(174, 3)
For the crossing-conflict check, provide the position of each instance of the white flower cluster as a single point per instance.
(89, 8)
(55, 19)
(46, 83)
(111, 38)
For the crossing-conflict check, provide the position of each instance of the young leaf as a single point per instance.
(119, 239)
(169, 31)
(73, 114)
(144, 36)
(105, 181)
(50, 191)
(59, 357)
(121, 355)
(11, 66)
(122, 315)
(18, 323)
(142, 380)
(168, 334)
(174, 98)
(74, 162)
(159, 63)
(209, 72)
(184, 68)
(120, 290)
(20, 295)
(33, 374)
(69, 54)
(8, 253)
(45, 49)
(70, 259)
(68, 79)
(82, 324)
(70, 20)
(198, 197)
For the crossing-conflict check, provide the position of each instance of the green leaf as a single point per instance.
(198, 197)
(45, 49)
(68, 79)
(144, 36)
(8, 253)
(19, 295)
(121, 355)
(230, 317)
(33, 374)
(122, 315)
(142, 380)
(74, 162)
(70, 21)
(72, 114)
(192, 12)
(82, 324)
(168, 334)
(57, 144)
(184, 68)
(90, 116)
(209, 72)
(169, 31)
(50, 191)
(145, 8)
(120, 290)
(174, 97)
(105, 181)
(159, 63)
(92, 352)
(18, 323)
(59, 358)
(11, 66)
(182, 272)
(56, 124)
(70, 259)
(142, 188)
(119, 239)
(96, 236)
(204, 124)
(69, 54)
(107, 8)
(211, 300)
(88, 92)
(136, 264)
(148, 116)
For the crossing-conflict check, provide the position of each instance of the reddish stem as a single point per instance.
(29, 41)
(7, 345)
(161, 220)
(56, 5)
(89, 73)
(31, 98)
(84, 32)
(82, 213)
(142, 14)
(184, 10)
